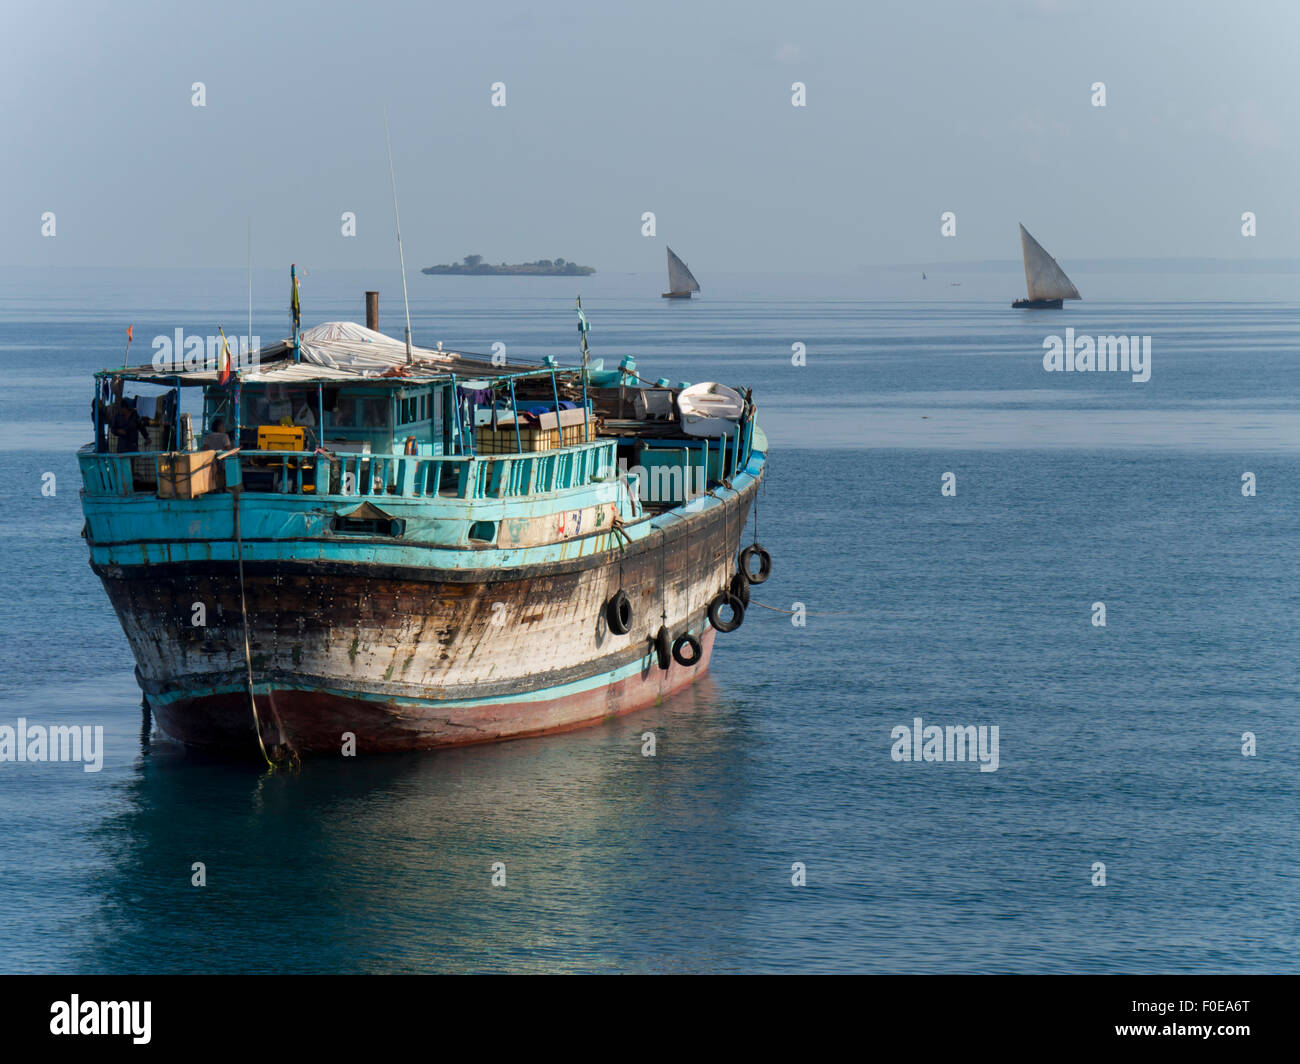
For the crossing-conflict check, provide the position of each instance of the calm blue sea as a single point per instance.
(1119, 744)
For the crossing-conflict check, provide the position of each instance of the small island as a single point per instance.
(473, 265)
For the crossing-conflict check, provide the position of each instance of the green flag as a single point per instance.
(583, 327)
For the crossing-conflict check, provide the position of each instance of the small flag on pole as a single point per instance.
(295, 309)
(226, 362)
(584, 326)
(130, 330)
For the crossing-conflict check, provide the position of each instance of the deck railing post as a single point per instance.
(454, 392)
(519, 443)
(586, 430)
(176, 416)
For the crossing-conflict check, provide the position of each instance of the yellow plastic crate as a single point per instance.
(280, 438)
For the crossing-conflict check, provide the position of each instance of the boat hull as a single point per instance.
(315, 721)
(405, 657)
(1038, 304)
(675, 295)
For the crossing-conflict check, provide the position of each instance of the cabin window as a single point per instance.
(483, 531)
(374, 412)
(344, 412)
(413, 408)
(365, 526)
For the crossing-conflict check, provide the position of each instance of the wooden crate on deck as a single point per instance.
(187, 476)
(545, 436)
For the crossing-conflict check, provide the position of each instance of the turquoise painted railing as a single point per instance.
(406, 476)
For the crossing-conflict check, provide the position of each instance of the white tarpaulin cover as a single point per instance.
(344, 350)
(349, 346)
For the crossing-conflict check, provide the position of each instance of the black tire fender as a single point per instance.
(764, 564)
(618, 613)
(726, 600)
(740, 588)
(663, 648)
(686, 641)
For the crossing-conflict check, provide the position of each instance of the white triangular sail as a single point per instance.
(1046, 280)
(680, 278)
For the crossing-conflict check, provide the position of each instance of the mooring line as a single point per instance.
(243, 612)
(663, 589)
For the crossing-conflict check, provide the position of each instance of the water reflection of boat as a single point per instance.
(384, 865)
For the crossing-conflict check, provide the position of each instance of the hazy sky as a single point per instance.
(684, 109)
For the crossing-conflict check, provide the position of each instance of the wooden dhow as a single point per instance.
(681, 282)
(409, 548)
(1046, 281)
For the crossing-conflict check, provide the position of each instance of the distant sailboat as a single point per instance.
(681, 282)
(1046, 281)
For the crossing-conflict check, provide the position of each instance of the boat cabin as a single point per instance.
(344, 411)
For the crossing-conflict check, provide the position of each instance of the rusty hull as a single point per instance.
(410, 658)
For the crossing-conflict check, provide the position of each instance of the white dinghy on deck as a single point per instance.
(710, 409)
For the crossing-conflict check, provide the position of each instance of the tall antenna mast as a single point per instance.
(249, 339)
(400, 256)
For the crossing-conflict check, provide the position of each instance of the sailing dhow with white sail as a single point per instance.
(681, 282)
(1047, 283)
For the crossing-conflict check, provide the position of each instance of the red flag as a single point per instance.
(225, 358)
(129, 337)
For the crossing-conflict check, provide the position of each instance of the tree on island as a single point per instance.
(475, 265)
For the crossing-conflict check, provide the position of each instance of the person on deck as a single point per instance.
(216, 438)
(124, 424)
(99, 418)
(306, 420)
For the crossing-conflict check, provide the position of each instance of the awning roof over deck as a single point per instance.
(340, 351)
